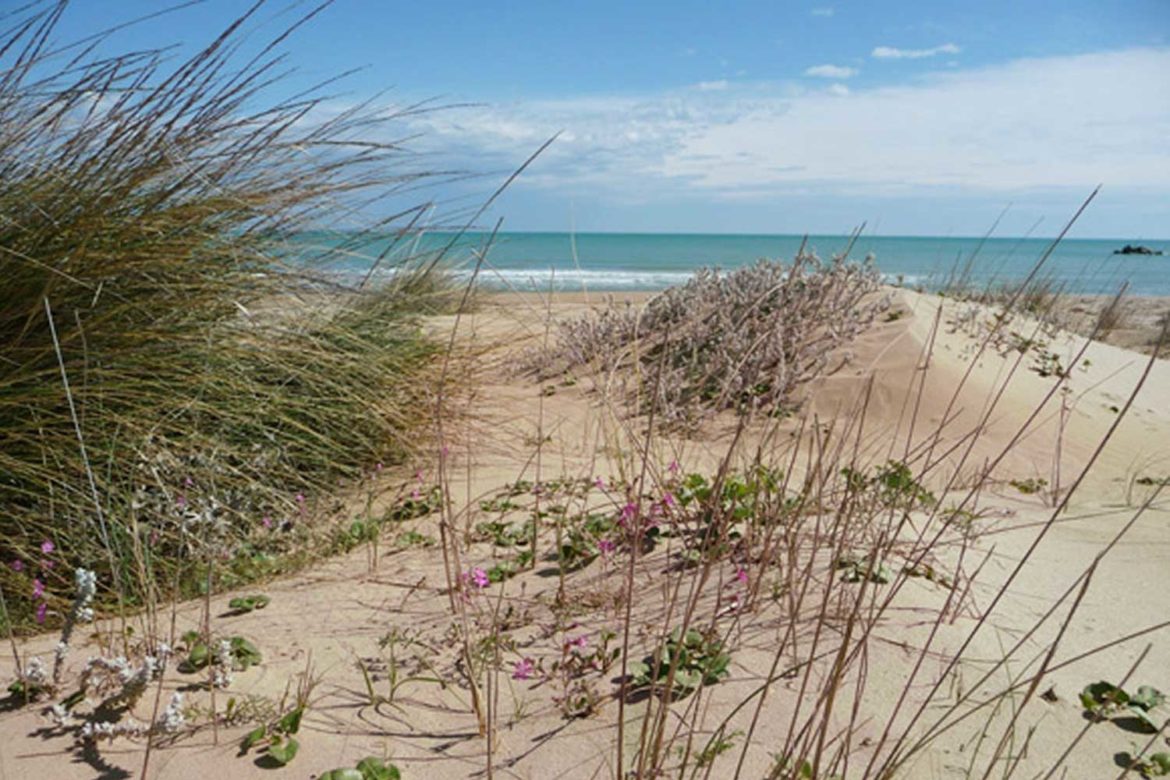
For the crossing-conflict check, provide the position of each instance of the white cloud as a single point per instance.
(712, 86)
(823, 11)
(831, 71)
(891, 53)
(1036, 124)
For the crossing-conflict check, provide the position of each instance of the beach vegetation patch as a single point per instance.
(371, 768)
(1103, 700)
(742, 340)
(685, 662)
(177, 369)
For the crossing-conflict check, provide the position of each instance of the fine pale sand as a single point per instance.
(915, 376)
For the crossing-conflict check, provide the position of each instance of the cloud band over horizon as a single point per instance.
(1062, 123)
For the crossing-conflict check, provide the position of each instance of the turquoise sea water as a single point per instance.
(629, 261)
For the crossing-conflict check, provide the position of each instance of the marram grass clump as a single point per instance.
(168, 387)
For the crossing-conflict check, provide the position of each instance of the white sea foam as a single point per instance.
(529, 279)
(607, 279)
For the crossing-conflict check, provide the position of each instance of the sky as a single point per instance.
(915, 117)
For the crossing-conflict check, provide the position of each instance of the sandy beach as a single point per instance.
(380, 616)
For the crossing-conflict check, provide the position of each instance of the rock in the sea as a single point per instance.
(1130, 249)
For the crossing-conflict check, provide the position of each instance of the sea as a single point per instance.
(612, 262)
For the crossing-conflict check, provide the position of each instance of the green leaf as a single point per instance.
(1147, 697)
(1144, 717)
(291, 722)
(254, 736)
(686, 680)
(199, 656)
(284, 751)
(249, 603)
(345, 773)
(1103, 696)
(1160, 762)
(376, 769)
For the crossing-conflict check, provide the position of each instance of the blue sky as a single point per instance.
(914, 117)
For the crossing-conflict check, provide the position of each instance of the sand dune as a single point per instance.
(917, 387)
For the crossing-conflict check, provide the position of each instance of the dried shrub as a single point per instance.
(741, 340)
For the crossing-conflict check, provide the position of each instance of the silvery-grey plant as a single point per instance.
(743, 340)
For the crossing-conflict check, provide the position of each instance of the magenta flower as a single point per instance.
(42, 608)
(188, 482)
(606, 546)
(629, 511)
(17, 565)
(47, 547)
(579, 643)
(673, 468)
(599, 483)
(416, 494)
(38, 588)
(479, 578)
(741, 575)
(668, 499)
(300, 498)
(266, 522)
(523, 669)
(378, 466)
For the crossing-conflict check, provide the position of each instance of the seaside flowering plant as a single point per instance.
(686, 661)
(744, 340)
(583, 657)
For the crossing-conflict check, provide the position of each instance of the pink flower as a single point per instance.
(673, 468)
(38, 588)
(523, 669)
(606, 546)
(416, 494)
(629, 511)
(419, 476)
(668, 499)
(42, 608)
(181, 500)
(17, 565)
(741, 575)
(300, 499)
(378, 466)
(599, 483)
(188, 482)
(266, 522)
(479, 578)
(579, 643)
(47, 547)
